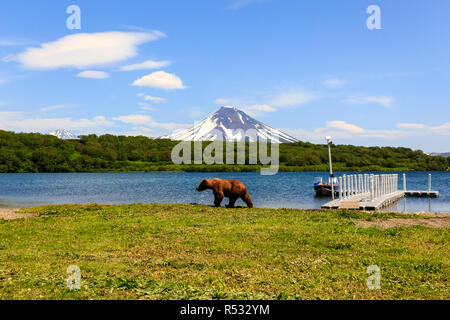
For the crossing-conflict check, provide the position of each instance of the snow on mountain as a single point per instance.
(63, 134)
(231, 124)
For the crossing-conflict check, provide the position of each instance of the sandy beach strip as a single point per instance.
(11, 214)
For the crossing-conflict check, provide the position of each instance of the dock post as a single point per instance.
(371, 182)
(374, 186)
(378, 186)
(349, 189)
(382, 178)
(404, 182)
(351, 185)
(429, 182)
(366, 183)
(388, 183)
(361, 184)
(344, 186)
(340, 188)
(392, 183)
(375, 193)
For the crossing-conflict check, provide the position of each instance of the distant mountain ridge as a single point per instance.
(440, 154)
(231, 124)
(63, 134)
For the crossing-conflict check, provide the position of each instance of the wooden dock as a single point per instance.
(382, 201)
(364, 192)
(422, 194)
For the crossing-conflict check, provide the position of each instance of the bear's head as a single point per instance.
(203, 185)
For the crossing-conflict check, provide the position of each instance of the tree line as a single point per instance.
(34, 152)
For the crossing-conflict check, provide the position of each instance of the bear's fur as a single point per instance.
(232, 189)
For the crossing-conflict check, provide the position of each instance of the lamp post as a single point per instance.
(328, 138)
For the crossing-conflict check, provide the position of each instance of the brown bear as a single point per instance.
(232, 189)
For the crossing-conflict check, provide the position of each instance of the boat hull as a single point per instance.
(325, 190)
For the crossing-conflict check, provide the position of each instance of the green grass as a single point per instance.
(199, 252)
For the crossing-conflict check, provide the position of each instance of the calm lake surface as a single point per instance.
(285, 189)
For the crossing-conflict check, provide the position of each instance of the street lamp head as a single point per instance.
(328, 138)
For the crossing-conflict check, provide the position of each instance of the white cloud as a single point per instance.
(345, 126)
(18, 121)
(55, 107)
(139, 119)
(222, 101)
(292, 99)
(334, 83)
(145, 106)
(150, 98)
(160, 80)
(318, 135)
(343, 130)
(83, 50)
(411, 125)
(146, 65)
(382, 100)
(92, 74)
(262, 107)
(134, 119)
(443, 129)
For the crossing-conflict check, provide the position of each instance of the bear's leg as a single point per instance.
(218, 197)
(232, 201)
(246, 198)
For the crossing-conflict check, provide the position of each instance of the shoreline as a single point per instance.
(12, 213)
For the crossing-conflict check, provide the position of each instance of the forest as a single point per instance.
(34, 152)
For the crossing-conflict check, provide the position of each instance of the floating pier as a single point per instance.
(373, 192)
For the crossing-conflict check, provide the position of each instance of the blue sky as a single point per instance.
(311, 68)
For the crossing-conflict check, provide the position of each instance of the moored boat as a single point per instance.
(324, 189)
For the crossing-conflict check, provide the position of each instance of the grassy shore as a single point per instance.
(194, 251)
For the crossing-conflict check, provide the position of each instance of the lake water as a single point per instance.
(285, 189)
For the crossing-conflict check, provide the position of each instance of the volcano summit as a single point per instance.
(231, 124)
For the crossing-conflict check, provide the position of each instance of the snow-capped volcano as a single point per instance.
(63, 134)
(231, 124)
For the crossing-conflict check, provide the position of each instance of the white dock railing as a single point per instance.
(369, 185)
(372, 191)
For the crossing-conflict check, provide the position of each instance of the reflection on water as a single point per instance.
(288, 190)
(420, 204)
